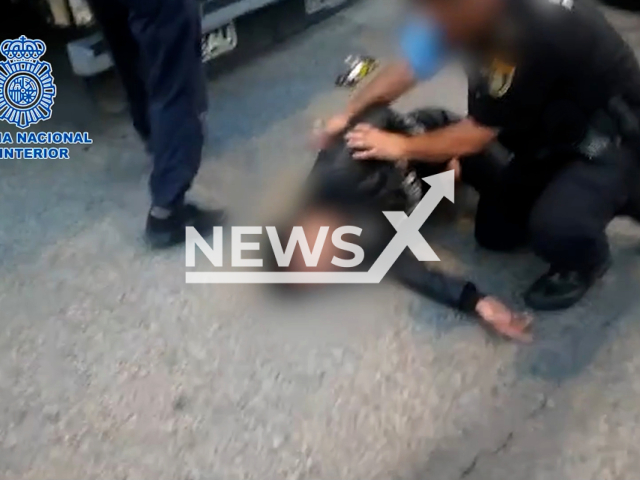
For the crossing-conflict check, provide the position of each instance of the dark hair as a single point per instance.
(337, 178)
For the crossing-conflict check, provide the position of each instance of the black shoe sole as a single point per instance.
(202, 220)
(556, 304)
(160, 241)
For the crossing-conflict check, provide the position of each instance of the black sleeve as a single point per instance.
(439, 286)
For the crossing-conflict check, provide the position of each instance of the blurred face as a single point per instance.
(464, 22)
(311, 222)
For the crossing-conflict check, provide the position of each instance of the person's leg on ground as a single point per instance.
(567, 226)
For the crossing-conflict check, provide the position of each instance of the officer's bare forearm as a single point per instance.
(458, 140)
(390, 83)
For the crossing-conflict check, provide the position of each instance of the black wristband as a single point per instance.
(469, 298)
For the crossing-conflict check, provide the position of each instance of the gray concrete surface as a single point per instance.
(112, 368)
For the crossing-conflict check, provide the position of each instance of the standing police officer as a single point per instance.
(155, 45)
(555, 84)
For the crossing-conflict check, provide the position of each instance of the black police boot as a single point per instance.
(167, 228)
(560, 289)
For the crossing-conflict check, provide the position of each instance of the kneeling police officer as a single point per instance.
(555, 84)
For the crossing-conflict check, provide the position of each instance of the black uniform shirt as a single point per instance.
(565, 62)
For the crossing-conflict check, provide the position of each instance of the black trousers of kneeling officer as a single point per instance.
(559, 201)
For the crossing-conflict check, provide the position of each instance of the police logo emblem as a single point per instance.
(27, 90)
(500, 78)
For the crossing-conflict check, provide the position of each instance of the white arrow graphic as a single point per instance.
(407, 236)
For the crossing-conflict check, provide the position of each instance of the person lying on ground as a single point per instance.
(343, 191)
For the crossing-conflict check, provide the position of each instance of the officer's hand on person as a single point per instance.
(504, 321)
(371, 143)
(324, 132)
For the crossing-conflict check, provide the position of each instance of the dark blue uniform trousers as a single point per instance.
(155, 45)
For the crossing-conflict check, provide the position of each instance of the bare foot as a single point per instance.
(503, 320)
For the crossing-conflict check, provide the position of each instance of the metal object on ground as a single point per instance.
(359, 67)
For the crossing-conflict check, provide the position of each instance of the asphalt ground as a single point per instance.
(111, 367)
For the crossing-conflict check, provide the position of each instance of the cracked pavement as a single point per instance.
(111, 367)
